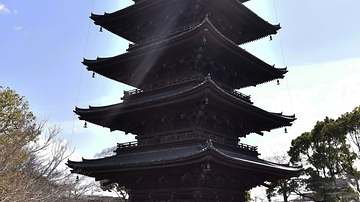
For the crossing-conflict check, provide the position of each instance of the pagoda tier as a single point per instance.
(201, 49)
(199, 172)
(157, 18)
(184, 113)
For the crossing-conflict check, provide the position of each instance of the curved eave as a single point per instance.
(277, 120)
(101, 115)
(173, 157)
(238, 159)
(226, 43)
(257, 19)
(111, 21)
(107, 66)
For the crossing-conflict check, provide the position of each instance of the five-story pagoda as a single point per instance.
(186, 112)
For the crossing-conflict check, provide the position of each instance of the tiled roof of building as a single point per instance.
(128, 22)
(247, 69)
(177, 156)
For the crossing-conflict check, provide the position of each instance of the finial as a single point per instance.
(285, 130)
(93, 75)
(278, 82)
(270, 38)
(85, 125)
(101, 29)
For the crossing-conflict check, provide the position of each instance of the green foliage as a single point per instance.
(283, 187)
(247, 196)
(29, 168)
(120, 191)
(17, 123)
(17, 128)
(350, 122)
(327, 158)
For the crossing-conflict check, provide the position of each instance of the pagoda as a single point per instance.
(186, 111)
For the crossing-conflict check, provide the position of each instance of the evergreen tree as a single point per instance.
(327, 159)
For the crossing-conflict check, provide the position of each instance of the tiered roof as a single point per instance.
(202, 49)
(167, 158)
(239, 113)
(186, 65)
(156, 18)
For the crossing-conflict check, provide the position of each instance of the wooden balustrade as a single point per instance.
(182, 137)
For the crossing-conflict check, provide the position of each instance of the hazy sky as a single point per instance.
(42, 44)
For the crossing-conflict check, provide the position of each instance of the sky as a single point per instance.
(42, 44)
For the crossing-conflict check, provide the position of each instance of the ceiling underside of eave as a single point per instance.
(122, 123)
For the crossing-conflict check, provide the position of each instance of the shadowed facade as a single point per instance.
(186, 109)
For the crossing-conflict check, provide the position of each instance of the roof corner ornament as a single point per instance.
(101, 29)
(209, 142)
(93, 75)
(207, 17)
(85, 124)
(208, 77)
(270, 38)
(277, 82)
(285, 131)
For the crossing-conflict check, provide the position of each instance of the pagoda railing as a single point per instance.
(127, 144)
(240, 95)
(190, 135)
(182, 137)
(133, 92)
(165, 83)
(233, 92)
(247, 147)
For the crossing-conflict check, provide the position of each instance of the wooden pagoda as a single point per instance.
(186, 66)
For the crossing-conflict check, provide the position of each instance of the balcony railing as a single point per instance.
(165, 83)
(127, 144)
(241, 95)
(182, 137)
(247, 147)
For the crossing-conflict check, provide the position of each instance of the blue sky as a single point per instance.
(42, 44)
